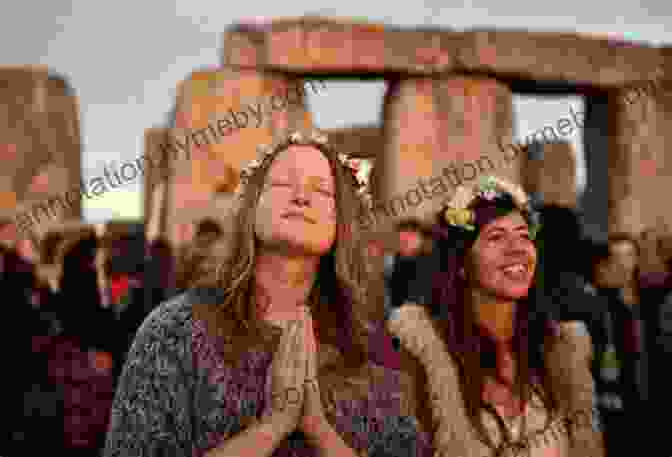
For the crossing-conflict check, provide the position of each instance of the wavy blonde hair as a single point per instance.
(342, 293)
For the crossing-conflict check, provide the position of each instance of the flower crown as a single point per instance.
(459, 211)
(311, 138)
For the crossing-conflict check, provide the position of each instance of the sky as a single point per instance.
(125, 59)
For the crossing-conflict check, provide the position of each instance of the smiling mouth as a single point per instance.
(517, 271)
(298, 216)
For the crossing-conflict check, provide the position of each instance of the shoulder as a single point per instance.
(574, 340)
(165, 334)
(172, 317)
(569, 360)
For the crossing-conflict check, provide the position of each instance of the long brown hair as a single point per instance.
(341, 295)
(472, 348)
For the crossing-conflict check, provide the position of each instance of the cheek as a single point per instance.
(489, 276)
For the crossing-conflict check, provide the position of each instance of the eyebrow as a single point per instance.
(515, 229)
(320, 180)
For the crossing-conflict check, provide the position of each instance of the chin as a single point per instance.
(514, 293)
(308, 246)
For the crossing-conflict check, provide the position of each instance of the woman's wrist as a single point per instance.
(319, 432)
(277, 425)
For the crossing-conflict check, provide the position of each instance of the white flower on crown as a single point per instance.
(320, 138)
(296, 137)
(490, 184)
(343, 158)
(264, 150)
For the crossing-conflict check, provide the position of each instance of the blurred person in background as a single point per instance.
(125, 269)
(266, 353)
(655, 290)
(194, 252)
(632, 277)
(32, 406)
(614, 369)
(564, 285)
(160, 280)
(80, 359)
(80, 307)
(413, 244)
(413, 265)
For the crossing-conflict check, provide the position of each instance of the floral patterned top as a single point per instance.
(178, 397)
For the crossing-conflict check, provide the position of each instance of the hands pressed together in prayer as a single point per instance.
(296, 401)
(295, 397)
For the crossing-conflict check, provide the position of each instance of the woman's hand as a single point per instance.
(288, 374)
(314, 422)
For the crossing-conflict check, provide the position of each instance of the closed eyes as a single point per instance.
(321, 190)
(500, 235)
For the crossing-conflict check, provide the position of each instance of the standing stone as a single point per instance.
(593, 202)
(155, 162)
(440, 133)
(364, 142)
(40, 146)
(639, 175)
(224, 114)
(554, 175)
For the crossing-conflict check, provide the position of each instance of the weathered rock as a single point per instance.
(224, 115)
(554, 176)
(156, 166)
(364, 142)
(439, 134)
(321, 45)
(638, 173)
(41, 145)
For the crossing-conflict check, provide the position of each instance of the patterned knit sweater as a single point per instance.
(178, 397)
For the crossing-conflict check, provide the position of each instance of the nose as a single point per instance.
(518, 246)
(301, 195)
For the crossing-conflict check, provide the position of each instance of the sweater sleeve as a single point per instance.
(151, 411)
(570, 366)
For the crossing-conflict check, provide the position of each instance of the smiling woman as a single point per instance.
(492, 366)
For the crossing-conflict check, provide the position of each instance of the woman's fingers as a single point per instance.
(286, 342)
(311, 363)
(298, 355)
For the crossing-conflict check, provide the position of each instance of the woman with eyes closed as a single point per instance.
(267, 353)
(491, 375)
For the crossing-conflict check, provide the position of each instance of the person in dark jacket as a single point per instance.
(159, 273)
(411, 264)
(83, 315)
(81, 360)
(32, 403)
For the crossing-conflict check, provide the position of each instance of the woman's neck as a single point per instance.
(496, 316)
(283, 283)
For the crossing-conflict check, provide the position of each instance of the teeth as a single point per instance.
(515, 269)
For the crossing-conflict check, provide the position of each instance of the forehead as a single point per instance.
(302, 161)
(511, 221)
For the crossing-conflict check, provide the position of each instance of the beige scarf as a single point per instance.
(413, 326)
(453, 435)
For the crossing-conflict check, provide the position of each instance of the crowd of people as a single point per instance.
(69, 343)
(130, 369)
